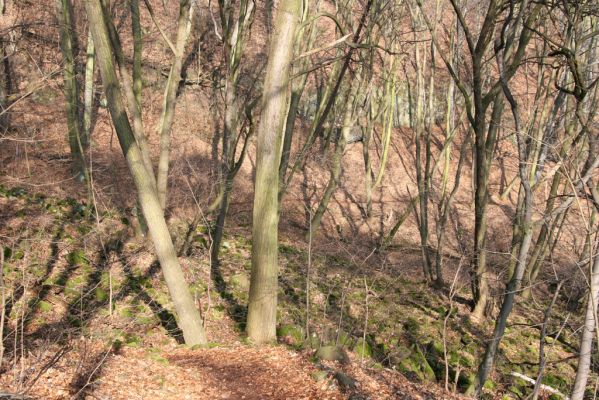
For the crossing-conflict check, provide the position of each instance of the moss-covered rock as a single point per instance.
(44, 306)
(291, 334)
(319, 376)
(77, 258)
(363, 349)
(416, 367)
(332, 353)
(345, 381)
(240, 280)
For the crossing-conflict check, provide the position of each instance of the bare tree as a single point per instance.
(76, 135)
(236, 31)
(262, 307)
(188, 315)
(480, 92)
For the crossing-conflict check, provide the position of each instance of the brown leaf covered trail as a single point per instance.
(237, 372)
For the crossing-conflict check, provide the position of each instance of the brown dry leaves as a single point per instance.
(90, 370)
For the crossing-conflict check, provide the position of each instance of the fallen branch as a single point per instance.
(542, 386)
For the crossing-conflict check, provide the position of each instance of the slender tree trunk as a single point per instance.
(262, 307)
(337, 164)
(236, 32)
(368, 130)
(88, 91)
(129, 95)
(297, 90)
(484, 149)
(169, 103)
(420, 137)
(588, 331)
(326, 105)
(539, 252)
(71, 89)
(296, 95)
(137, 48)
(189, 318)
(5, 79)
(445, 207)
(513, 287)
(508, 300)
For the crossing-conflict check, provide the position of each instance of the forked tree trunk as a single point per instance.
(77, 143)
(262, 307)
(235, 35)
(189, 318)
(525, 233)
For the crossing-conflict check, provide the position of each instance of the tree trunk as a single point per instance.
(484, 149)
(137, 48)
(525, 233)
(88, 91)
(422, 171)
(262, 307)
(337, 164)
(71, 89)
(189, 318)
(588, 331)
(170, 95)
(294, 100)
(5, 86)
(235, 34)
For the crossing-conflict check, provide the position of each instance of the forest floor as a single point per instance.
(89, 317)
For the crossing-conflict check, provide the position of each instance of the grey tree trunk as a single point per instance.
(77, 143)
(88, 91)
(235, 34)
(189, 318)
(326, 105)
(137, 48)
(526, 231)
(170, 95)
(337, 163)
(262, 307)
(588, 331)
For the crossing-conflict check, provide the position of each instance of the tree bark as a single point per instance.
(235, 34)
(169, 103)
(71, 90)
(588, 331)
(88, 91)
(137, 48)
(189, 318)
(262, 307)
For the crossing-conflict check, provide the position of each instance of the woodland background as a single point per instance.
(321, 199)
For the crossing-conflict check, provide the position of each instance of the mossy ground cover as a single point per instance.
(69, 270)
